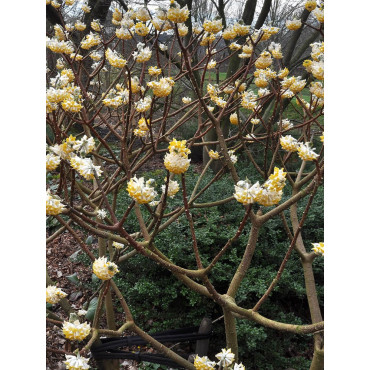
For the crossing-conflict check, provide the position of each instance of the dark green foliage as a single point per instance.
(159, 301)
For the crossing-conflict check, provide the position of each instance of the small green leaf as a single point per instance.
(91, 309)
(73, 257)
(94, 278)
(73, 279)
(89, 240)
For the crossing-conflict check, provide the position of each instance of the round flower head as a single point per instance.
(104, 269)
(118, 245)
(245, 193)
(52, 162)
(101, 213)
(226, 357)
(142, 14)
(154, 71)
(294, 24)
(264, 60)
(76, 362)
(249, 100)
(90, 41)
(306, 153)
(211, 64)
(239, 367)
(173, 188)
(289, 143)
(241, 29)
(80, 26)
(318, 248)
(140, 191)
(177, 14)
(310, 5)
(163, 87)
(115, 59)
(213, 154)
(319, 14)
(54, 206)
(143, 54)
(286, 124)
(183, 30)
(255, 121)
(85, 8)
(141, 29)
(85, 145)
(204, 363)
(123, 33)
(229, 33)
(143, 105)
(54, 294)
(186, 100)
(176, 163)
(234, 119)
(214, 26)
(233, 157)
(75, 330)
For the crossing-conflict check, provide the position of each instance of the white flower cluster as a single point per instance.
(141, 191)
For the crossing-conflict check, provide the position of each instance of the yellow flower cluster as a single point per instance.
(142, 14)
(264, 60)
(293, 24)
(204, 363)
(319, 14)
(57, 46)
(207, 39)
(186, 100)
(177, 14)
(96, 26)
(268, 194)
(115, 59)
(140, 191)
(310, 5)
(80, 26)
(234, 119)
(213, 154)
(225, 357)
(163, 87)
(123, 33)
(54, 294)
(214, 26)
(90, 41)
(104, 269)
(154, 71)
(59, 33)
(306, 153)
(143, 127)
(144, 104)
(289, 143)
(54, 205)
(176, 161)
(317, 89)
(173, 188)
(76, 362)
(318, 248)
(143, 54)
(85, 167)
(52, 162)
(275, 50)
(249, 100)
(141, 29)
(75, 330)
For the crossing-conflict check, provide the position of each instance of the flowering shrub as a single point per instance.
(116, 103)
